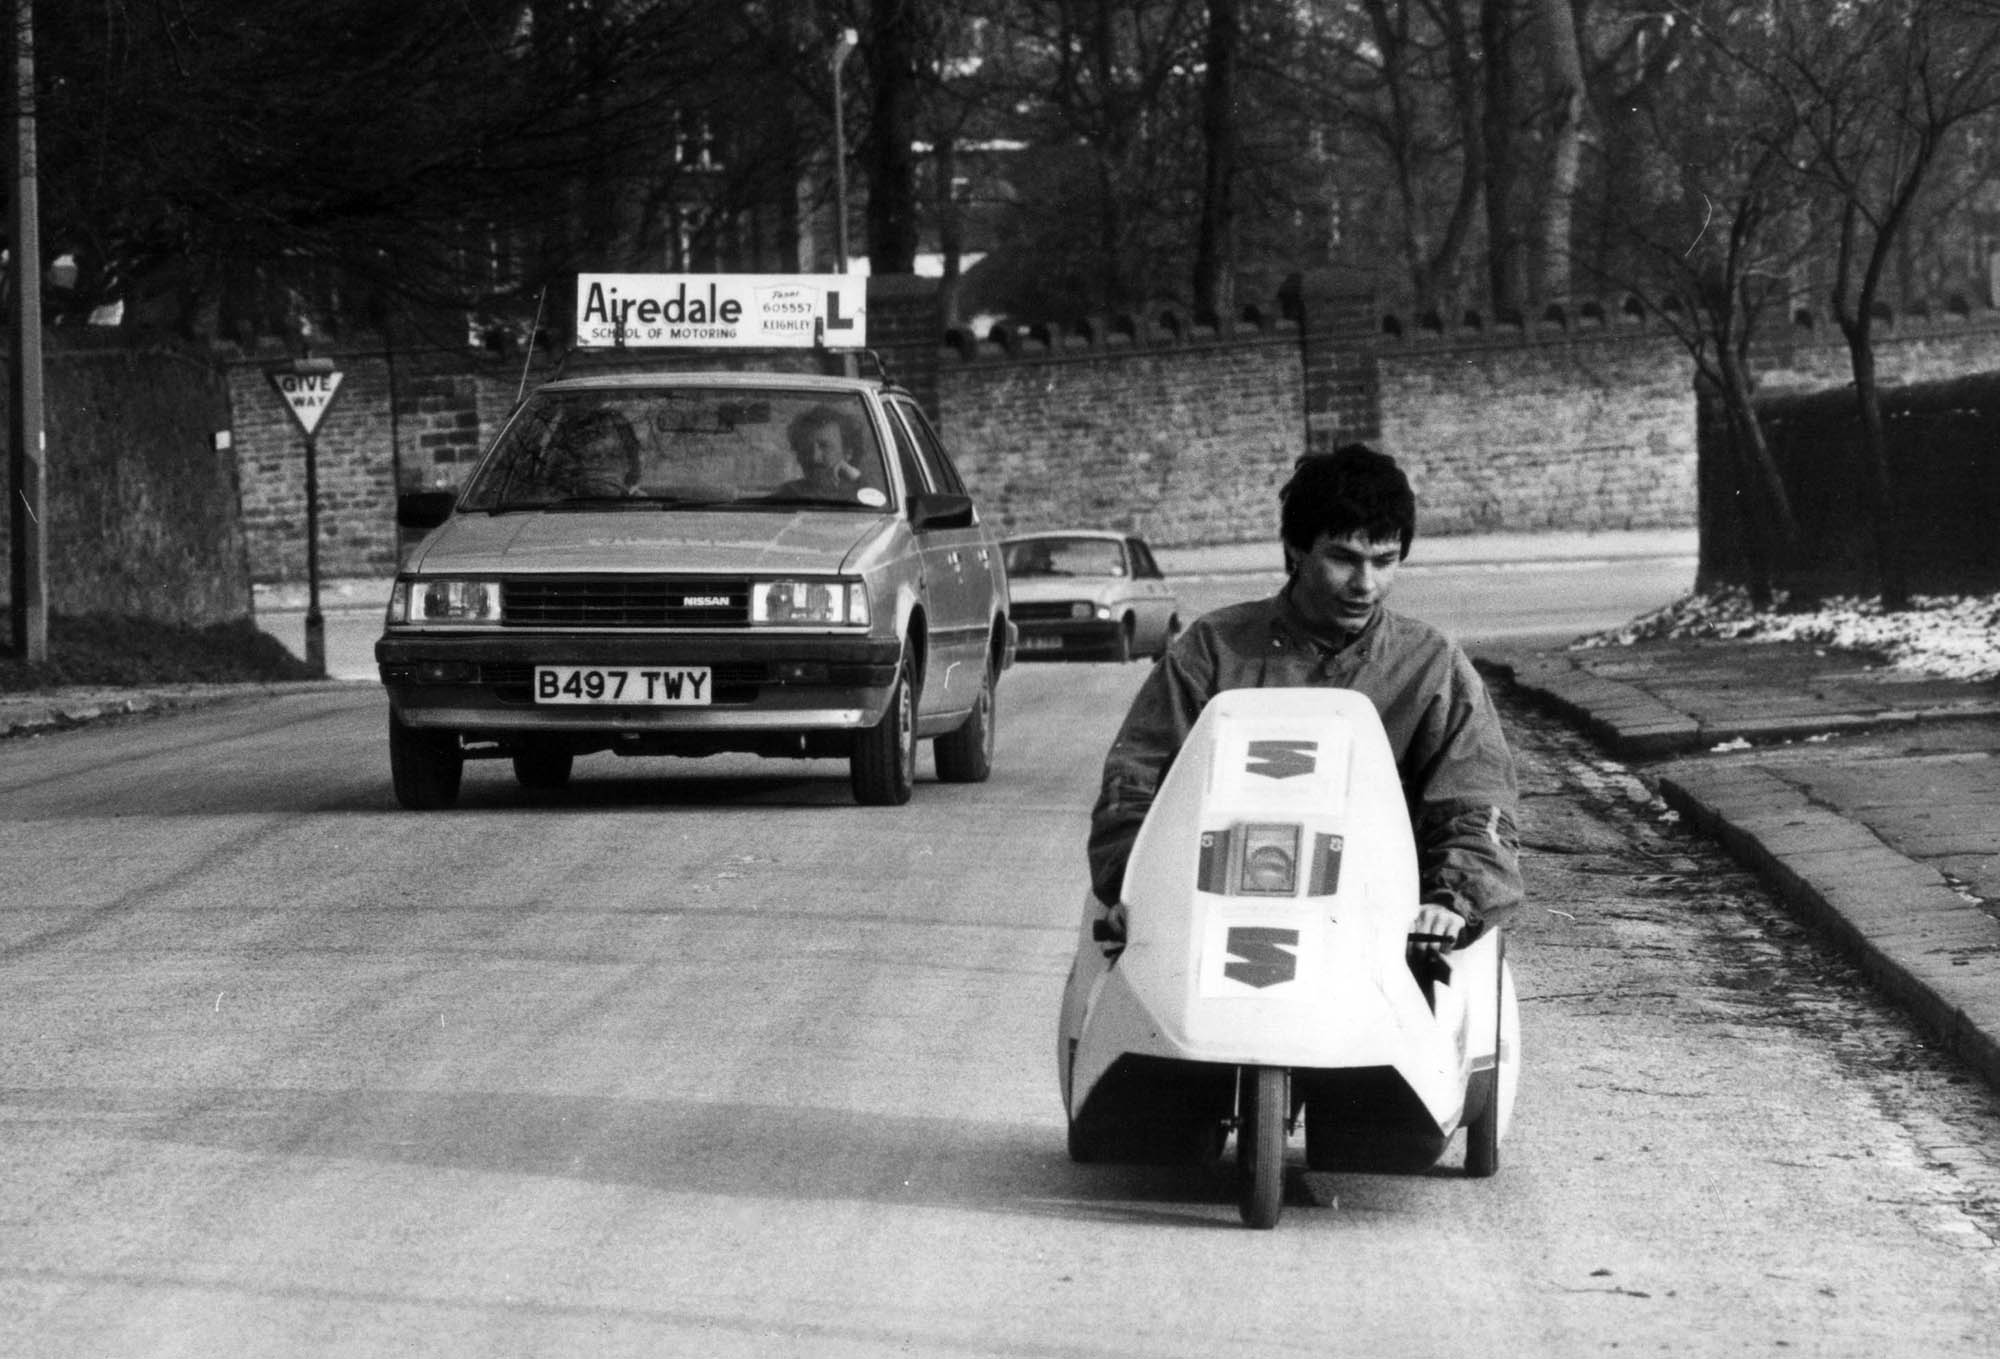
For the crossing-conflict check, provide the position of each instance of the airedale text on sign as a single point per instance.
(740, 311)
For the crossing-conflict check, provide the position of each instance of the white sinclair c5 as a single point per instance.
(1263, 980)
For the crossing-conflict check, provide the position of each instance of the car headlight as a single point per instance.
(1080, 609)
(834, 603)
(445, 603)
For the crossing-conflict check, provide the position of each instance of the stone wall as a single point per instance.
(1184, 443)
(1146, 421)
(1152, 423)
(1553, 432)
(1185, 435)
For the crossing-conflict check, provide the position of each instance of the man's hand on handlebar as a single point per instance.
(1435, 931)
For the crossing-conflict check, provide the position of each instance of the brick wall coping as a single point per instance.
(1167, 326)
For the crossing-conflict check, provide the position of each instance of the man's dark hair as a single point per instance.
(799, 433)
(1353, 489)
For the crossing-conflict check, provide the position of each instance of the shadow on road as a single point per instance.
(235, 791)
(731, 1150)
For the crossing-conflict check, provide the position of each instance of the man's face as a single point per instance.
(1340, 583)
(823, 451)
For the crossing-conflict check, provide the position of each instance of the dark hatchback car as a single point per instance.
(691, 564)
(1089, 594)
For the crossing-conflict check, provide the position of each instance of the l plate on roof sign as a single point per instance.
(307, 394)
(728, 311)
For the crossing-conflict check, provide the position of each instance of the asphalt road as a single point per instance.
(1511, 595)
(699, 1058)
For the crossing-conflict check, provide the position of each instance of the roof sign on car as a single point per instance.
(732, 311)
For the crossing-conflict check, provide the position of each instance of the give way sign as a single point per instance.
(307, 394)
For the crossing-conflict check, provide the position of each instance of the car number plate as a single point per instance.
(1041, 644)
(667, 686)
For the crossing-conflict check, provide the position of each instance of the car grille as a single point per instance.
(625, 602)
(1057, 611)
(733, 684)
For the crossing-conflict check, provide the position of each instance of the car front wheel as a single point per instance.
(425, 766)
(883, 767)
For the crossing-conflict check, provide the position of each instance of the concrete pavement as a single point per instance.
(1868, 799)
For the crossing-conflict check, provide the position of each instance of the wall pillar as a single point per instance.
(906, 329)
(1338, 339)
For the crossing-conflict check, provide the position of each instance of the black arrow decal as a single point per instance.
(1283, 759)
(1263, 955)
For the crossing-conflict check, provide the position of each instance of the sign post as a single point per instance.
(308, 387)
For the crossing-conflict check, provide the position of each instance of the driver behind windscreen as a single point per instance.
(602, 454)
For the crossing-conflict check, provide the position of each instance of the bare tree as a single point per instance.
(1215, 241)
(1707, 220)
(1564, 107)
(342, 157)
(1502, 115)
(892, 51)
(1882, 88)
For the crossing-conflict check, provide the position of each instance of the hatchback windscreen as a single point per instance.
(1064, 557)
(682, 447)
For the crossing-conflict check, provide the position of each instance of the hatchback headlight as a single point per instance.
(834, 603)
(445, 603)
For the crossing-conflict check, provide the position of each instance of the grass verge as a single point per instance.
(98, 649)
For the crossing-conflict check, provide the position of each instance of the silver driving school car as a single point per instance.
(696, 563)
(1089, 594)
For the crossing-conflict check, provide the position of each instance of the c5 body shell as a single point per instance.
(1268, 901)
(1450, 754)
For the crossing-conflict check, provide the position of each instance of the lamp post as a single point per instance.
(841, 48)
(27, 444)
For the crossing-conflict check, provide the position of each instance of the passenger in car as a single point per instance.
(827, 445)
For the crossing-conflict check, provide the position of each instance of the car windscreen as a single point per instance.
(728, 447)
(1064, 557)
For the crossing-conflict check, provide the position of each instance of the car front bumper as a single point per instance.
(484, 682)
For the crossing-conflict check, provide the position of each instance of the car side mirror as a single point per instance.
(424, 509)
(940, 510)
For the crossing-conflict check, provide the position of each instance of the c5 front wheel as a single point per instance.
(1260, 1146)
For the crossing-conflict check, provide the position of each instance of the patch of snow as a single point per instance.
(1950, 636)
